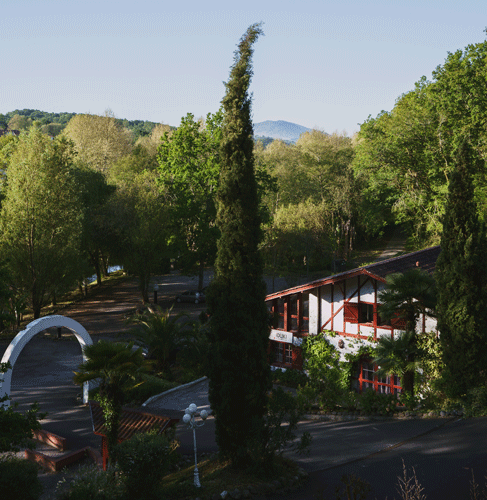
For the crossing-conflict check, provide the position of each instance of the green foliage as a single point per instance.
(372, 402)
(312, 208)
(475, 403)
(18, 479)
(353, 488)
(327, 381)
(189, 161)
(117, 368)
(238, 330)
(399, 356)
(93, 483)
(406, 296)
(143, 461)
(16, 428)
(143, 224)
(40, 218)
(283, 413)
(152, 385)
(431, 367)
(161, 334)
(99, 234)
(405, 157)
(289, 378)
(461, 275)
(193, 355)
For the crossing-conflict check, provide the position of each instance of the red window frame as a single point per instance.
(368, 379)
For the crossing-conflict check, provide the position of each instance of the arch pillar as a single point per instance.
(31, 330)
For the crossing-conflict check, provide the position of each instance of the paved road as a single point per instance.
(443, 459)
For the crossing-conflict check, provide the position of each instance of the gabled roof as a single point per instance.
(131, 421)
(424, 259)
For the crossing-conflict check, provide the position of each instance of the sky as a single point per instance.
(321, 64)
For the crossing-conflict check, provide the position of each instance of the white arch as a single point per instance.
(32, 329)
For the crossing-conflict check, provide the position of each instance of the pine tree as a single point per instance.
(239, 327)
(461, 277)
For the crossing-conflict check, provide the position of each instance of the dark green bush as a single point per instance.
(143, 460)
(94, 484)
(289, 378)
(283, 413)
(372, 402)
(18, 479)
(151, 386)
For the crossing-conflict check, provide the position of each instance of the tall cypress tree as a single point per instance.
(239, 328)
(461, 279)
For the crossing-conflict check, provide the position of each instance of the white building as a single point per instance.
(347, 304)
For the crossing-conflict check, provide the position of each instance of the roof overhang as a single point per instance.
(325, 281)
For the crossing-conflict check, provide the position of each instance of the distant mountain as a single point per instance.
(279, 130)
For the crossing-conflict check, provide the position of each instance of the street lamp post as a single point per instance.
(189, 419)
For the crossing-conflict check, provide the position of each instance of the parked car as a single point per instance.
(193, 296)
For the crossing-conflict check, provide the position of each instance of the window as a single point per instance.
(359, 313)
(291, 313)
(366, 313)
(283, 353)
(368, 379)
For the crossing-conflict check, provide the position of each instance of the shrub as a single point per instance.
(18, 479)
(151, 386)
(327, 381)
(143, 460)
(372, 402)
(289, 378)
(476, 401)
(93, 483)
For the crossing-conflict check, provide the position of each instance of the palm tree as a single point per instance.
(117, 367)
(160, 333)
(406, 296)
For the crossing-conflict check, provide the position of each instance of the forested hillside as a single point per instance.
(54, 123)
(142, 194)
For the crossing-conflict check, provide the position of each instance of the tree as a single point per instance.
(99, 140)
(405, 157)
(40, 218)
(140, 208)
(160, 333)
(19, 122)
(406, 296)
(117, 368)
(189, 167)
(238, 370)
(461, 275)
(100, 230)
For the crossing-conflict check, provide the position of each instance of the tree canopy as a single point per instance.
(41, 217)
(239, 326)
(189, 163)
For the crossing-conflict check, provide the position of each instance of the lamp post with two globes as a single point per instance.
(189, 419)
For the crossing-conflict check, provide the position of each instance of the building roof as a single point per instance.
(131, 422)
(424, 259)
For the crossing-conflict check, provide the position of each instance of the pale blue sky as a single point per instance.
(325, 64)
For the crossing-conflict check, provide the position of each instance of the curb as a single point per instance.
(157, 396)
